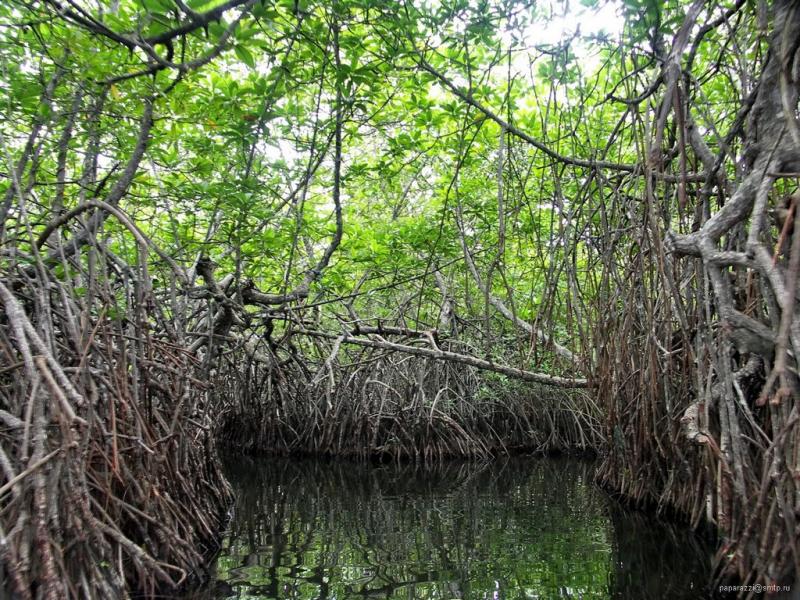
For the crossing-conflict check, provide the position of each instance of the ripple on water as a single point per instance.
(513, 529)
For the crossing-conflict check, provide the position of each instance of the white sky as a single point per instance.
(570, 16)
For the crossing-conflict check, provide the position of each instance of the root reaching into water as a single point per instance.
(399, 406)
(699, 385)
(111, 482)
(658, 284)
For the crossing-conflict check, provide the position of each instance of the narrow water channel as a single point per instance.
(515, 529)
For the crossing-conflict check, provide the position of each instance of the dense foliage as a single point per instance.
(240, 155)
(286, 200)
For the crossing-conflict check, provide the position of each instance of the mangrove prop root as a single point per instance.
(367, 401)
(108, 488)
(700, 389)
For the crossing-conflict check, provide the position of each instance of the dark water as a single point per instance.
(516, 529)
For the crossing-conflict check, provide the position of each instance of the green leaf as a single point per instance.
(203, 5)
(156, 6)
(217, 29)
(244, 55)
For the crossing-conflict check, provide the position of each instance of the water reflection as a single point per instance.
(522, 528)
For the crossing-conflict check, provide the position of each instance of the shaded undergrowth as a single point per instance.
(377, 404)
(111, 484)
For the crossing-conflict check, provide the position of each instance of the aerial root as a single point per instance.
(107, 488)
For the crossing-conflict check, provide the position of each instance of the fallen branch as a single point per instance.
(479, 363)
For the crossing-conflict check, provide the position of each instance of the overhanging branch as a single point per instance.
(478, 363)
